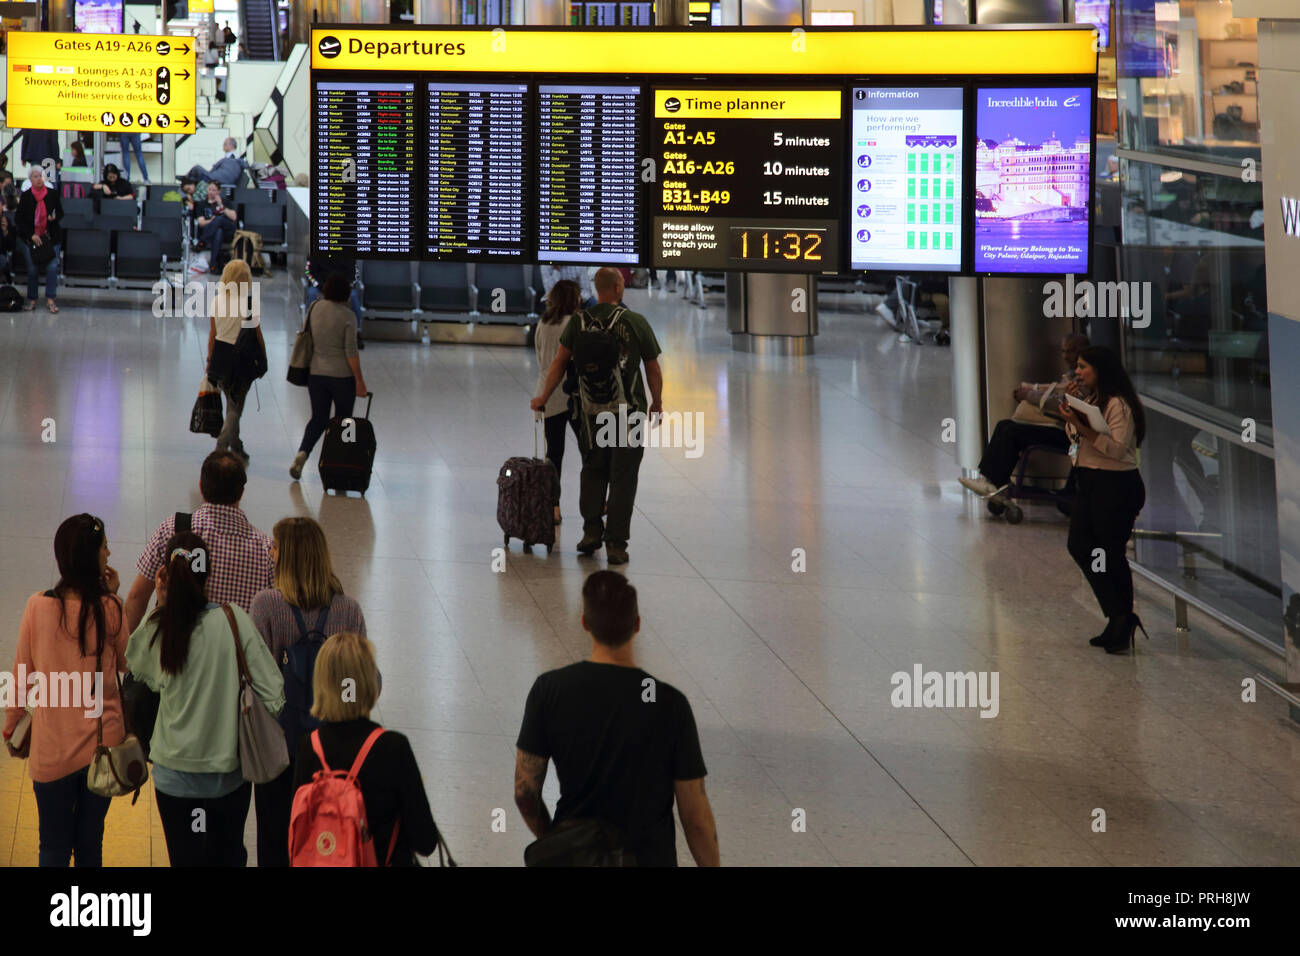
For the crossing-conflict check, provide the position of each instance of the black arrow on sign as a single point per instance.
(185, 48)
(185, 121)
(183, 74)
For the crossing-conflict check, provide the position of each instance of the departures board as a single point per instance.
(756, 150)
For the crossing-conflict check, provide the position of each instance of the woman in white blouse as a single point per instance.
(564, 299)
(1111, 493)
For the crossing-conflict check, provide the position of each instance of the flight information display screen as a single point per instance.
(905, 179)
(748, 179)
(478, 182)
(588, 166)
(364, 168)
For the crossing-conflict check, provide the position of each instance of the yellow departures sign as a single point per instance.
(798, 52)
(118, 83)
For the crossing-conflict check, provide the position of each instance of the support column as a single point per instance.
(967, 361)
(772, 312)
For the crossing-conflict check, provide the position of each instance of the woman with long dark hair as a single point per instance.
(1110, 491)
(185, 650)
(76, 629)
(564, 299)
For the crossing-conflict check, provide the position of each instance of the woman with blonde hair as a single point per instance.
(346, 686)
(236, 348)
(306, 605)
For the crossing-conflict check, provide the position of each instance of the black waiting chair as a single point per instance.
(79, 213)
(116, 214)
(163, 209)
(503, 290)
(445, 287)
(138, 258)
(171, 235)
(88, 257)
(386, 287)
(266, 219)
(254, 197)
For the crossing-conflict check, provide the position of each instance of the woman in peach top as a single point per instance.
(1111, 493)
(74, 635)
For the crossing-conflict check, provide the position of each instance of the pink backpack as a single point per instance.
(328, 824)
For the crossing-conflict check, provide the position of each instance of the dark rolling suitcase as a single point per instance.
(527, 489)
(346, 465)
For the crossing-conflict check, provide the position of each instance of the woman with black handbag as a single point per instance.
(236, 348)
(63, 631)
(39, 221)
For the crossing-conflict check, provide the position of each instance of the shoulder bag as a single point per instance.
(300, 357)
(115, 771)
(263, 754)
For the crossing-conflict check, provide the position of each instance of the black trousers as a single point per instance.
(607, 488)
(220, 837)
(274, 802)
(554, 429)
(1009, 440)
(1104, 512)
(324, 391)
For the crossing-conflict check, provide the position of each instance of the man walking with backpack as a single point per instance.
(608, 344)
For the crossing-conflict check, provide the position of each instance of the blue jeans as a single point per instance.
(324, 390)
(313, 293)
(71, 821)
(34, 280)
(131, 142)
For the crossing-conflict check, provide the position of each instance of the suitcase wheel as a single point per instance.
(548, 550)
(528, 546)
(505, 538)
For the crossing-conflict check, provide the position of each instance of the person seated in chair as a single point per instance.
(225, 171)
(216, 222)
(1013, 435)
(113, 185)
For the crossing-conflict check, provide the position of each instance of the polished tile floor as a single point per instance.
(789, 672)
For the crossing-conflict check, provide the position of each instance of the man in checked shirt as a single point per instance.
(239, 562)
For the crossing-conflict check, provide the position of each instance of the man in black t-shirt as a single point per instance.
(624, 744)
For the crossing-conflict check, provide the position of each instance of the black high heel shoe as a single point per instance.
(1126, 635)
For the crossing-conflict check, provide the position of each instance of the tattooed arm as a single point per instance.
(530, 774)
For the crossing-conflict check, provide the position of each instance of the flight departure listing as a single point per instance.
(748, 179)
(588, 162)
(478, 171)
(363, 169)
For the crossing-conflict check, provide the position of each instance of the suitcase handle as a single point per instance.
(537, 420)
(370, 397)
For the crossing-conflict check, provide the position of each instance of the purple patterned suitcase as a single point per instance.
(527, 490)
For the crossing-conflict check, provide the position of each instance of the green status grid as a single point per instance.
(931, 177)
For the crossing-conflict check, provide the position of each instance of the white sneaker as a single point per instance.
(981, 486)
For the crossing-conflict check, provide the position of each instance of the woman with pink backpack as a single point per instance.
(359, 798)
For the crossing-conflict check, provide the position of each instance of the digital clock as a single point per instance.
(774, 243)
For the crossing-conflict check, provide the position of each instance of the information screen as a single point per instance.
(1033, 179)
(748, 179)
(478, 171)
(363, 169)
(905, 179)
(589, 160)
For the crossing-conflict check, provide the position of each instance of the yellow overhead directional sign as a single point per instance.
(91, 81)
(950, 51)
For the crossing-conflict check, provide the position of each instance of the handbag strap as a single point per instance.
(244, 676)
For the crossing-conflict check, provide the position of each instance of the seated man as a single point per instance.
(216, 223)
(225, 171)
(1011, 437)
(113, 185)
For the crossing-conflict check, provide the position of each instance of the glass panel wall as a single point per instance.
(1187, 92)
